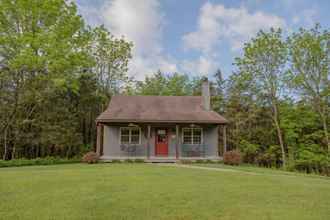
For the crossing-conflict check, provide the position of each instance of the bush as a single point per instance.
(249, 151)
(185, 161)
(310, 161)
(90, 157)
(232, 157)
(37, 161)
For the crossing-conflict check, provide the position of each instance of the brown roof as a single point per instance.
(184, 109)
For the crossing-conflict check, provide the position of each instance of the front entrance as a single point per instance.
(161, 142)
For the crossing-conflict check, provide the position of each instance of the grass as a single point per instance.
(256, 169)
(144, 191)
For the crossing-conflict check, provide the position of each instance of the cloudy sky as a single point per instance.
(196, 36)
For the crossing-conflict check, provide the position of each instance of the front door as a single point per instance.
(161, 142)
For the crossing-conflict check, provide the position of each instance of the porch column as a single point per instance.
(224, 127)
(99, 139)
(148, 141)
(177, 141)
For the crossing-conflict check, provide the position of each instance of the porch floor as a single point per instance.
(160, 159)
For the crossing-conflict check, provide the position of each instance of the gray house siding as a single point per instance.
(112, 148)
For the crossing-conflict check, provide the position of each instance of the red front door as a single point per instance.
(161, 142)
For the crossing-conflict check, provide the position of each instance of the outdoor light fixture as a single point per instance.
(132, 125)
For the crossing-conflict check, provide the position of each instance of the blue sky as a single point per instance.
(196, 37)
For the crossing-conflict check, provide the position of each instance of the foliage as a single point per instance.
(311, 159)
(310, 56)
(249, 151)
(56, 76)
(270, 158)
(165, 85)
(232, 157)
(37, 161)
(90, 157)
(263, 62)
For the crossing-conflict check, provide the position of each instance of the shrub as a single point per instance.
(90, 157)
(37, 161)
(185, 161)
(249, 151)
(311, 161)
(232, 157)
(139, 161)
(200, 161)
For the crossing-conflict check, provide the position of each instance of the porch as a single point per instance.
(159, 142)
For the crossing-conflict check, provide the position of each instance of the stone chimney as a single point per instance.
(206, 94)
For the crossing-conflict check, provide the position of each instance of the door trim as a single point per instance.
(156, 140)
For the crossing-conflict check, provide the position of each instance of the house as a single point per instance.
(160, 128)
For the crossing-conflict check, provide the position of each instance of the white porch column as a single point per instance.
(99, 139)
(177, 141)
(148, 141)
(224, 128)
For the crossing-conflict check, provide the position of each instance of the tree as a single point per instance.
(111, 58)
(39, 46)
(310, 70)
(264, 59)
(54, 74)
(167, 85)
(219, 89)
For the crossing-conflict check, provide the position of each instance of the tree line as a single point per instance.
(57, 74)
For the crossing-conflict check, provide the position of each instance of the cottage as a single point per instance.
(160, 128)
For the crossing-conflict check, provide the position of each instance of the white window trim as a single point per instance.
(192, 135)
(129, 134)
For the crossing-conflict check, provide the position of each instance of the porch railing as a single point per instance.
(187, 150)
(133, 150)
(193, 150)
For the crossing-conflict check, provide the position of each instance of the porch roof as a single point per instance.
(165, 109)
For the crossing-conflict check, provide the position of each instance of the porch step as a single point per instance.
(161, 160)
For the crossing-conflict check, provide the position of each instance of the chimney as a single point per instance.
(206, 94)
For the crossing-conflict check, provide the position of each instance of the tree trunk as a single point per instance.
(280, 139)
(13, 152)
(5, 145)
(279, 134)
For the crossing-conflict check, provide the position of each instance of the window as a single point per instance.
(130, 135)
(192, 135)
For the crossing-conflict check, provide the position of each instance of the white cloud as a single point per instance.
(295, 19)
(235, 25)
(140, 22)
(309, 16)
(218, 25)
(202, 66)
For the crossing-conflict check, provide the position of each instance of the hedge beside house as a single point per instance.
(37, 161)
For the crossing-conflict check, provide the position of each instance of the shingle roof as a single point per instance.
(180, 109)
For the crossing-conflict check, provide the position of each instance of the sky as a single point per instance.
(197, 37)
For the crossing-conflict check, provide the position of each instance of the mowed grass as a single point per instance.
(146, 191)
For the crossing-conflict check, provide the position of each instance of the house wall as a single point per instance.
(112, 148)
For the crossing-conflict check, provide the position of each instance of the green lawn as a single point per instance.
(145, 191)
